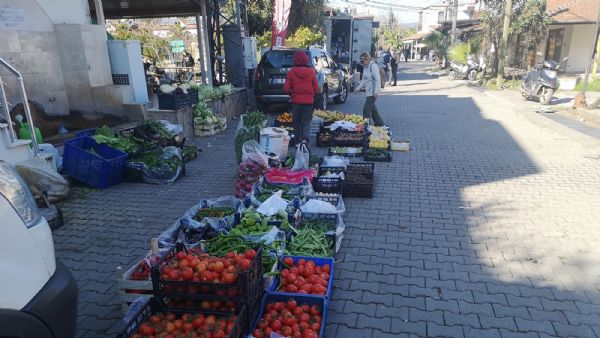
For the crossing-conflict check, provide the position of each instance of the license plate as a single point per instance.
(278, 81)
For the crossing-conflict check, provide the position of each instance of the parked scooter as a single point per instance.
(468, 71)
(542, 82)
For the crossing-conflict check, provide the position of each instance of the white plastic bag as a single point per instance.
(251, 149)
(345, 125)
(318, 207)
(273, 204)
(335, 161)
(302, 159)
(174, 129)
(41, 178)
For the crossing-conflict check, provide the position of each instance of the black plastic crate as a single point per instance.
(175, 101)
(241, 291)
(357, 154)
(333, 200)
(359, 187)
(154, 306)
(337, 140)
(324, 137)
(330, 185)
(370, 158)
(333, 170)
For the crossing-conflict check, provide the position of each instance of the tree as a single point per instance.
(532, 19)
(439, 43)
(304, 37)
(153, 46)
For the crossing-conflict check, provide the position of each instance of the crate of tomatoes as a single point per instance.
(304, 275)
(296, 316)
(153, 320)
(192, 279)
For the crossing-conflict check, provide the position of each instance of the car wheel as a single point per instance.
(343, 94)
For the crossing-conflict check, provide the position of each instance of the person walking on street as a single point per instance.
(371, 82)
(387, 56)
(301, 84)
(394, 65)
(406, 54)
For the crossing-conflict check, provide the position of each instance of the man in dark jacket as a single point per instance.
(301, 84)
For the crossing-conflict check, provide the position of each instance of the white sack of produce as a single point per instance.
(343, 125)
(167, 88)
(335, 161)
(273, 204)
(174, 129)
(275, 140)
(40, 177)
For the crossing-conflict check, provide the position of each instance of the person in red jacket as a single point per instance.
(301, 84)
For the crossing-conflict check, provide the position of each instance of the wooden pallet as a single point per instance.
(130, 290)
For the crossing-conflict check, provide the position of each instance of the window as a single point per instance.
(441, 17)
(554, 46)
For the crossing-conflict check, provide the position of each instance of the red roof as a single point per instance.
(573, 11)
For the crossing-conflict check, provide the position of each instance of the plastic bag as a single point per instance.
(135, 308)
(164, 174)
(286, 176)
(302, 158)
(266, 238)
(318, 207)
(273, 204)
(254, 150)
(174, 129)
(249, 172)
(222, 223)
(335, 161)
(244, 134)
(345, 125)
(50, 149)
(41, 178)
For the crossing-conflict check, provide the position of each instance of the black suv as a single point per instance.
(270, 74)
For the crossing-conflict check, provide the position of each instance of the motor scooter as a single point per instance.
(542, 81)
(469, 71)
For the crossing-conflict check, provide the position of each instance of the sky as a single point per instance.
(404, 16)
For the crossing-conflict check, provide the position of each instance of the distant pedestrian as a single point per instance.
(387, 56)
(406, 55)
(188, 60)
(394, 65)
(301, 84)
(371, 82)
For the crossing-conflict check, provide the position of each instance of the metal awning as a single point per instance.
(124, 9)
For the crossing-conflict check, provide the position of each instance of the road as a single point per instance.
(488, 227)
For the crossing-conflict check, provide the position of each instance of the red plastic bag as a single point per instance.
(286, 176)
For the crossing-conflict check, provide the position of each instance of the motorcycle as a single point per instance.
(469, 71)
(542, 82)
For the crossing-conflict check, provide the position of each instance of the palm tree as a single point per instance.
(439, 43)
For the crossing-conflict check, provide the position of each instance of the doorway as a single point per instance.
(554, 46)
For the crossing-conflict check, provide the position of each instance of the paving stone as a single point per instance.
(382, 324)
(418, 328)
(434, 330)
(478, 333)
(488, 322)
(344, 331)
(564, 330)
(454, 319)
(416, 315)
(535, 326)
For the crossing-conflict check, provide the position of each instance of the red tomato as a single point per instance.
(276, 325)
(219, 267)
(285, 273)
(291, 288)
(188, 327)
(263, 323)
(301, 261)
(155, 319)
(315, 311)
(187, 274)
(286, 331)
(298, 311)
(178, 323)
(257, 334)
(311, 263)
(304, 317)
(305, 307)
(292, 278)
(289, 261)
(245, 264)
(180, 255)
(306, 288)
(278, 306)
(302, 292)
(308, 271)
(184, 263)
(315, 327)
(294, 270)
(174, 274)
(198, 321)
(250, 254)
(291, 304)
(229, 278)
(146, 330)
(230, 255)
(326, 268)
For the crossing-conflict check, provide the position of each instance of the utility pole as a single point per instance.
(504, 47)
(454, 17)
(580, 100)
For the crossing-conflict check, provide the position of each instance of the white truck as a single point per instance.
(347, 37)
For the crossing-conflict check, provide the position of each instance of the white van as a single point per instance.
(38, 295)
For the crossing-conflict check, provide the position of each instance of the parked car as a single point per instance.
(38, 294)
(270, 74)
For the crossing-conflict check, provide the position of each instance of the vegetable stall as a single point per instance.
(234, 265)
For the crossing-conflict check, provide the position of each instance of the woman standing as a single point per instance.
(371, 82)
(301, 84)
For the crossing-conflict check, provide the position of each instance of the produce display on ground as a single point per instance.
(284, 247)
(285, 118)
(379, 137)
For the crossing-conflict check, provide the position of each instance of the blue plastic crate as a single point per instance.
(101, 168)
(319, 261)
(301, 300)
(85, 132)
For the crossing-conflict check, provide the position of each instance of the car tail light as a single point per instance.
(16, 191)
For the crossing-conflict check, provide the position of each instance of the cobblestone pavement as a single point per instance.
(488, 227)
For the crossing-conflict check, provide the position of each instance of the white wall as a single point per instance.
(582, 39)
(28, 43)
(66, 11)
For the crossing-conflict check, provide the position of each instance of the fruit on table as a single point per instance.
(185, 325)
(304, 277)
(285, 118)
(379, 138)
(289, 319)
